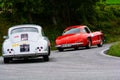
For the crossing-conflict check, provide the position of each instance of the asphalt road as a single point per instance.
(82, 64)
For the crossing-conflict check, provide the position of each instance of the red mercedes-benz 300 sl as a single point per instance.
(79, 36)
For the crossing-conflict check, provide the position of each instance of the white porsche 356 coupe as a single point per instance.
(25, 41)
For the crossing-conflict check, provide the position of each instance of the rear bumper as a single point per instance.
(22, 55)
(69, 45)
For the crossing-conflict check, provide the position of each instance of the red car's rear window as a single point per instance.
(72, 31)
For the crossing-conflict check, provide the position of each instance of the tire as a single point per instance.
(49, 51)
(76, 48)
(88, 46)
(6, 60)
(60, 49)
(46, 58)
(101, 42)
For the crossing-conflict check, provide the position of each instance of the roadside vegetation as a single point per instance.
(113, 2)
(54, 16)
(114, 50)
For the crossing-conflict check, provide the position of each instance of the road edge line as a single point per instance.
(103, 52)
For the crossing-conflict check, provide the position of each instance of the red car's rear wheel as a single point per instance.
(101, 42)
(89, 43)
(60, 49)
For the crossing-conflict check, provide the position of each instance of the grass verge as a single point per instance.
(114, 50)
(113, 1)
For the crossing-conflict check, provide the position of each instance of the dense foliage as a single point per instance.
(49, 11)
(114, 50)
(113, 2)
(55, 15)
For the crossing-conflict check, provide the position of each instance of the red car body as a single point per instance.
(79, 36)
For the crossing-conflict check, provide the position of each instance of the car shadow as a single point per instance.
(27, 61)
(80, 48)
(24, 61)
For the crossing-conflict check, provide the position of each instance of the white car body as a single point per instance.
(24, 41)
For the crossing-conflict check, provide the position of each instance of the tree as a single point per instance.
(71, 11)
(22, 9)
(57, 11)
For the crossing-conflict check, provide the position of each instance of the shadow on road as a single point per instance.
(80, 48)
(24, 61)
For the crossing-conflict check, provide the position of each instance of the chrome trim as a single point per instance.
(26, 54)
(68, 45)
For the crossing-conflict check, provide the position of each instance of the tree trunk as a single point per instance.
(54, 20)
(30, 18)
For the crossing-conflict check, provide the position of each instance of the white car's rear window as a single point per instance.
(24, 29)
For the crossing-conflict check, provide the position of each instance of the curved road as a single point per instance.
(82, 64)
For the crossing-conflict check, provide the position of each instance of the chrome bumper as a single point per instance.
(68, 45)
(26, 54)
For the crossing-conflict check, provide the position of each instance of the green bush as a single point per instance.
(113, 2)
(114, 50)
(52, 32)
(106, 20)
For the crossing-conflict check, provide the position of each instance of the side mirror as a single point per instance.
(5, 37)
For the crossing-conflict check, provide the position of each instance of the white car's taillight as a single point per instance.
(38, 49)
(10, 51)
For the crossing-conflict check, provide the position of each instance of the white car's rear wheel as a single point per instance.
(49, 51)
(46, 58)
(6, 60)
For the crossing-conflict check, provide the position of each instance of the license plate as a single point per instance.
(24, 48)
(66, 45)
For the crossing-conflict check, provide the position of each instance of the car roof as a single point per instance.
(76, 26)
(25, 25)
